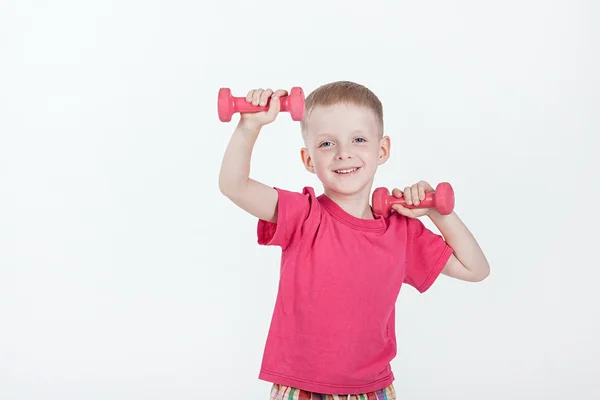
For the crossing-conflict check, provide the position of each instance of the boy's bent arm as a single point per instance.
(254, 197)
(467, 263)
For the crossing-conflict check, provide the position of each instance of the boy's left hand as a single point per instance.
(413, 195)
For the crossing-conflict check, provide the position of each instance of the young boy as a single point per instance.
(342, 266)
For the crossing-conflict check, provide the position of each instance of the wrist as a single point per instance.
(248, 128)
(435, 215)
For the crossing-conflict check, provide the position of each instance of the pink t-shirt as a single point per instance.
(333, 325)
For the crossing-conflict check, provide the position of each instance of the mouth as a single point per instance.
(346, 171)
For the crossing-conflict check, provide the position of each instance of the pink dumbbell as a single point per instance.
(228, 105)
(442, 199)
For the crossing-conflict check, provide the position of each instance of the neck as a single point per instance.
(356, 204)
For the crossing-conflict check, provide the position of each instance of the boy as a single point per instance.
(333, 326)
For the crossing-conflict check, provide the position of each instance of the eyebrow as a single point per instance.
(320, 136)
(355, 131)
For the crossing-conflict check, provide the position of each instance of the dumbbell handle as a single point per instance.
(241, 105)
(429, 202)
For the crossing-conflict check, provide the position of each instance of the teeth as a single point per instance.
(345, 171)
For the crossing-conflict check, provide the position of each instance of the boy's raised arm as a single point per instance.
(255, 197)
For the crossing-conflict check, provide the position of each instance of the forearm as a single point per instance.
(235, 168)
(463, 243)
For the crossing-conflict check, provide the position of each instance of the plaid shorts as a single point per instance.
(281, 392)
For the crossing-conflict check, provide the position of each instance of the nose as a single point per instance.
(343, 153)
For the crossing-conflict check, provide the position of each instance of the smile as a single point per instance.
(346, 171)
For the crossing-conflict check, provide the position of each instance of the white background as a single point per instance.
(125, 274)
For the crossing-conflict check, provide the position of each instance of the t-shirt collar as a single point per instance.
(378, 224)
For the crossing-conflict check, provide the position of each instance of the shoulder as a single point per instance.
(399, 222)
(298, 213)
(300, 204)
(305, 191)
(405, 228)
(306, 197)
(412, 226)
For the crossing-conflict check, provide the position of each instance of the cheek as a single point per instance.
(323, 168)
(321, 164)
(370, 155)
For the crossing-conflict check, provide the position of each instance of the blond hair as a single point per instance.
(343, 92)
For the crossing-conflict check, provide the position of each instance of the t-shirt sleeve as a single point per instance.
(294, 212)
(426, 255)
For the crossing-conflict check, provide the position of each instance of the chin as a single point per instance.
(349, 187)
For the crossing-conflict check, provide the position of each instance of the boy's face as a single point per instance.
(344, 147)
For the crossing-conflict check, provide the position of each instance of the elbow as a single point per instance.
(226, 190)
(229, 189)
(225, 186)
(482, 273)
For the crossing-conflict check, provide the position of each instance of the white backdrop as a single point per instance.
(125, 274)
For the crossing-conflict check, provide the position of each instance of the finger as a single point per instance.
(264, 97)
(274, 107)
(408, 196)
(426, 186)
(256, 97)
(281, 93)
(415, 194)
(249, 96)
(397, 193)
(403, 211)
(422, 186)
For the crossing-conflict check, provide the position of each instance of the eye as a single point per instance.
(361, 140)
(324, 144)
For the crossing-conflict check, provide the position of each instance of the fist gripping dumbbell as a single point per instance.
(442, 199)
(228, 105)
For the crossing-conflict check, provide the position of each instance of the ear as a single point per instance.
(307, 160)
(384, 149)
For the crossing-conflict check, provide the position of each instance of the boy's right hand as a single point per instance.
(260, 97)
